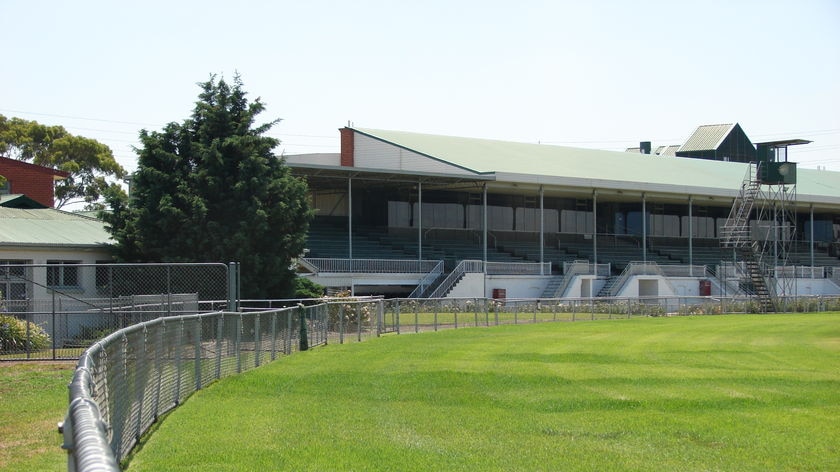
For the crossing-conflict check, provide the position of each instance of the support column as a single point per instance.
(595, 231)
(542, 231)
(812, 241)
(644, 228)
(350, 220)
(350, 231)
(690, 237)
(419, 220)
(484, 226)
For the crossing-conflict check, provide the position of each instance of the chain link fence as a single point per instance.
(126, 381)
(55, 311)
(123, 383)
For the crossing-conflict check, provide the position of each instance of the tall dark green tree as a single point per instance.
(211, 190)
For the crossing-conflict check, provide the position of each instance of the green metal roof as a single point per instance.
(19, 201)
(546, 164)
(49, 227)
(707, 137)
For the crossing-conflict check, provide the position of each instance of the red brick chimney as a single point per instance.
(347, 146)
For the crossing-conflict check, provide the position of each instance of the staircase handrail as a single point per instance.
(570, 271)
(634, 268)
(463, 267)
(427, 280)
(735, 231)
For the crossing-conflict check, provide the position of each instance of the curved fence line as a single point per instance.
(126, 381)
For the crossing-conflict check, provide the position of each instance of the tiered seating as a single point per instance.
(617, 252)
(702, 254)
(327, 238)
(530, 251)
(801, 255)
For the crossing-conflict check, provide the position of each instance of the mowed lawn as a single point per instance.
(34, 399)
(730, 393)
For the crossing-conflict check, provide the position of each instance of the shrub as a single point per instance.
(13, 335)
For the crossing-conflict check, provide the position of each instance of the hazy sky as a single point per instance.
(599, 74)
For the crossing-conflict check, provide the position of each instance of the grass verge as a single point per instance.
(686, 393)
(34, 400)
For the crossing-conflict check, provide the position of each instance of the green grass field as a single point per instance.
(33, 396)
(684, 393)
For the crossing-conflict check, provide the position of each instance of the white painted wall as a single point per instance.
(376, 154)
(471, 285)
(323, 159)
(815, 287)
(518, 286)
(580, 286)
(36, 255)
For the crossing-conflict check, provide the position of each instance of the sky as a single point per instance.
(595, 74)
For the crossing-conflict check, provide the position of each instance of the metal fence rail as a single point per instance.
(125, 381)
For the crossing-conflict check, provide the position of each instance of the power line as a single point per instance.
(77, 117)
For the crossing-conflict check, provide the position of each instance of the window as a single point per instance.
(13, 281)
(62, 274)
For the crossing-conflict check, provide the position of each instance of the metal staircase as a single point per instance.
(736, 231)
(757, 281)
(735, 234)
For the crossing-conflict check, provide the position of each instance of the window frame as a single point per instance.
(60, 272)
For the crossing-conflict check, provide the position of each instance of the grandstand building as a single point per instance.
(423, 215)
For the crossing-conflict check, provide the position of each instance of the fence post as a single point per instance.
(325, 320)
(219, 333)
(287, 344)
(168, 290)
(140, 385)
(341, 323)
(416, 317)
(358, 322)
(257, 340)
(54, 330)
(197, 342)
(274, 335)
(233, 286)
(304, 340)
(380, 317)
(179, 353)
(397, 315)
(475, 312)
(161, 331)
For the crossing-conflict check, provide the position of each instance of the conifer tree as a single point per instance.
(211, 190)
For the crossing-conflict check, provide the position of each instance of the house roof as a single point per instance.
(560, 165)
(667, 151)
(707, 137)
(49, 227)
(55, 173)
(18, 200)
